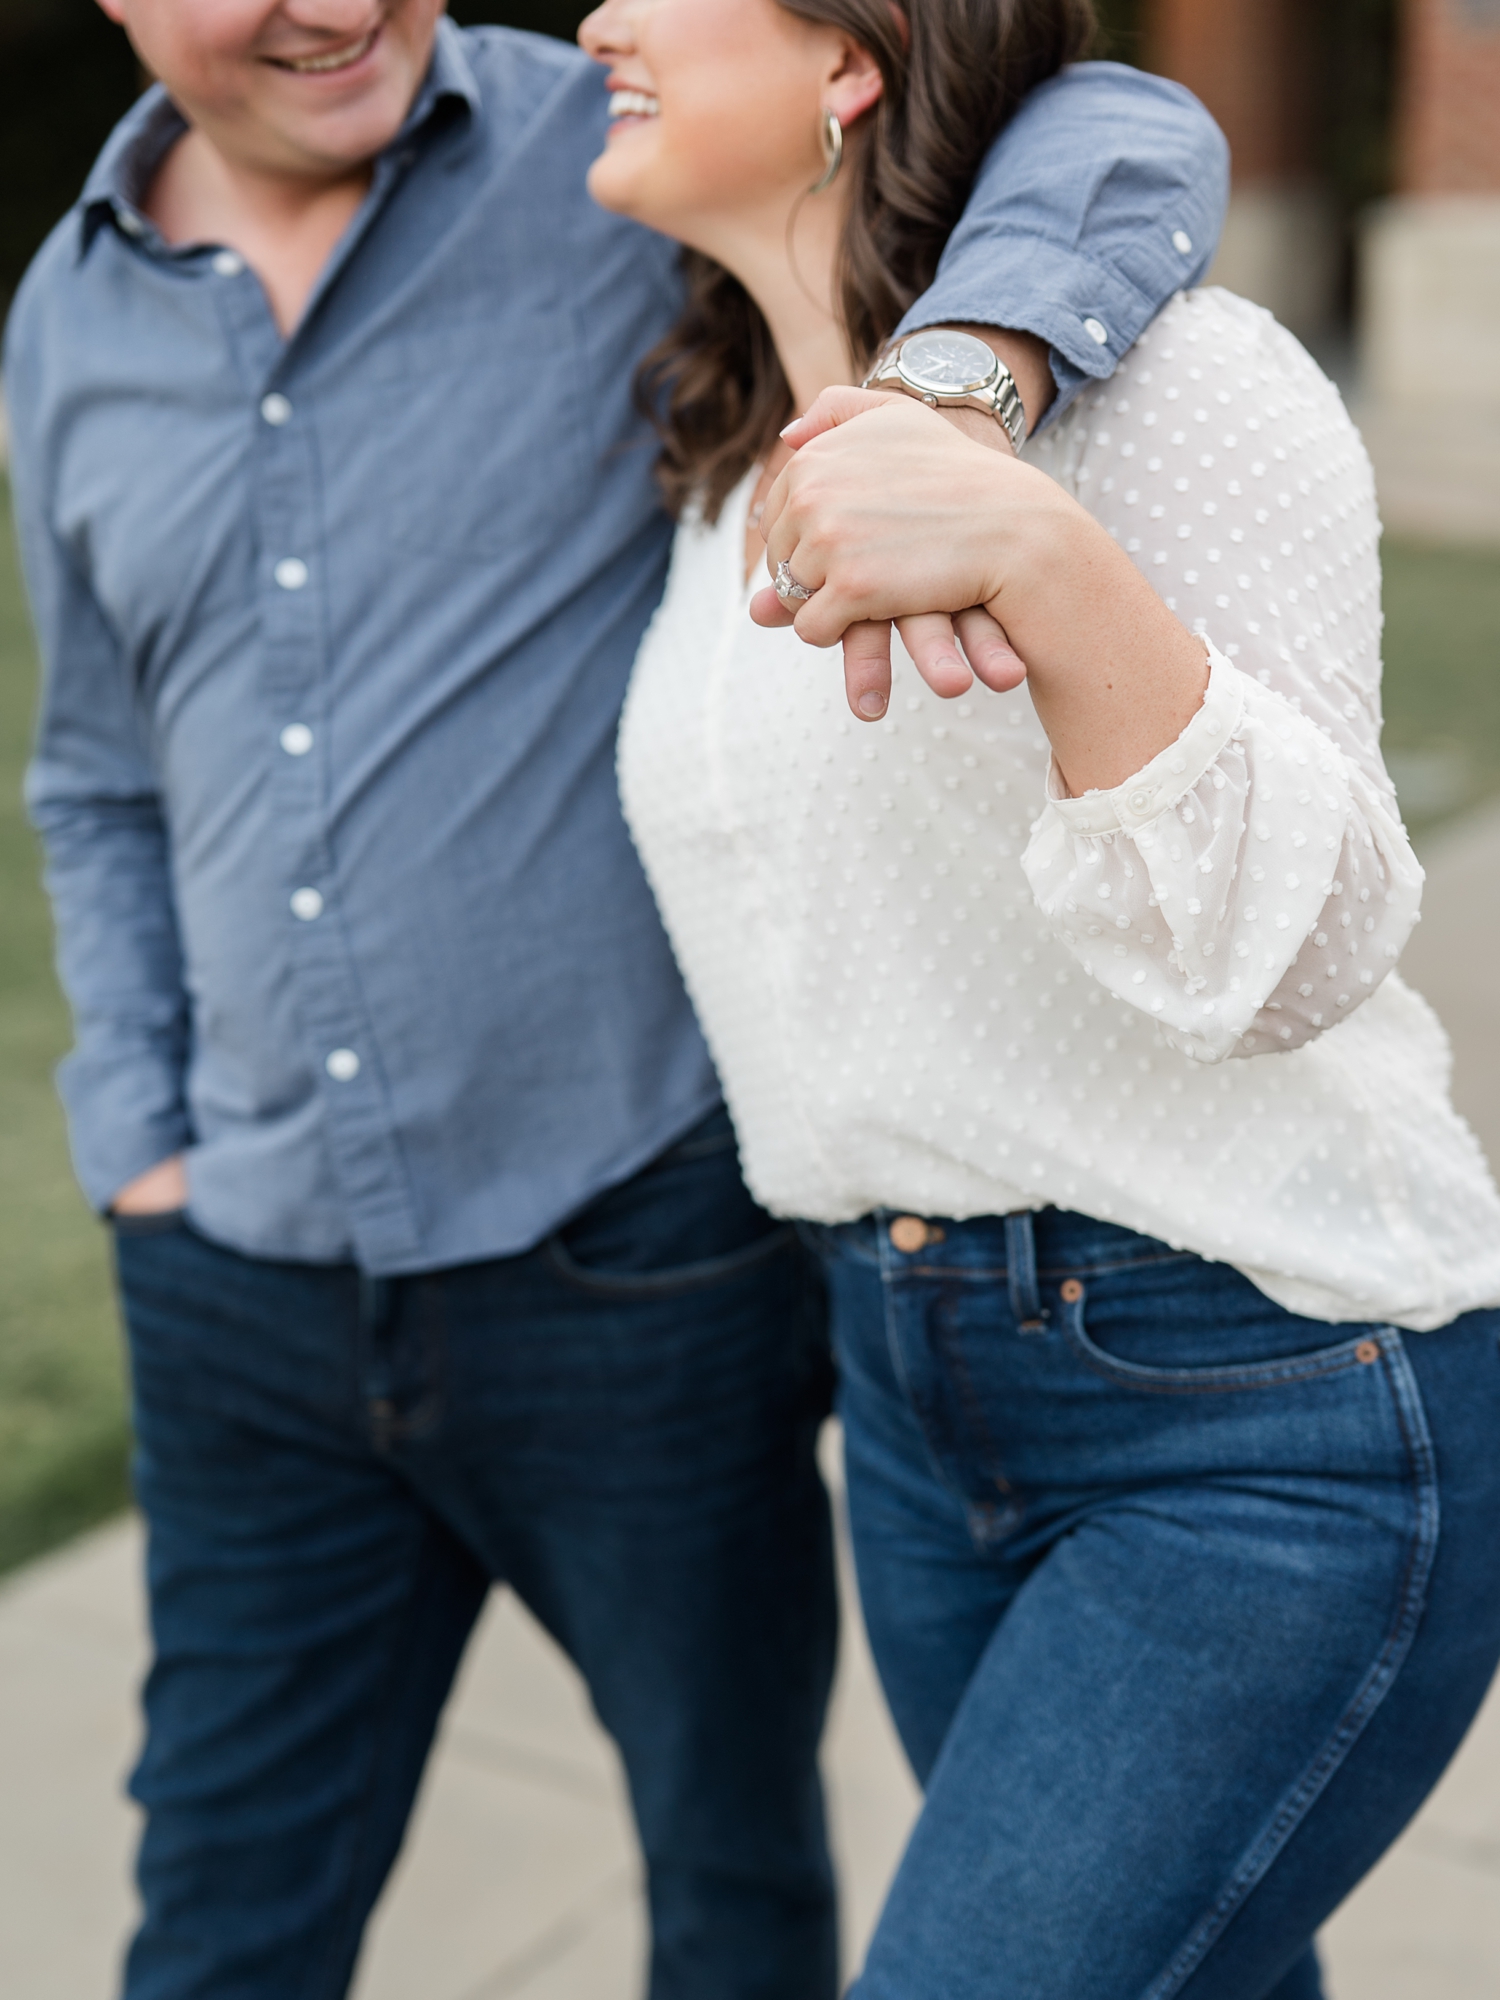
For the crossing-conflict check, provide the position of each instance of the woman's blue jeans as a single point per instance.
(1181, 1602)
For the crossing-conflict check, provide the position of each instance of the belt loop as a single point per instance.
(1020, 1265)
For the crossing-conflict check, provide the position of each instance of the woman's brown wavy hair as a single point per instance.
(714, 386)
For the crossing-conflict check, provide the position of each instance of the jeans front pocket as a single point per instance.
(155, 1222)
(685, 1223)
(1363, 1347)
(697, 1274)
(1265, 1399)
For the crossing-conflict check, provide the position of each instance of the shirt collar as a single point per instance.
(124, 170)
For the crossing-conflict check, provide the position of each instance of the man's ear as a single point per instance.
(853, 87)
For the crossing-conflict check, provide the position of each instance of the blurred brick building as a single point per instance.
(1366, 140)
(1425, 258)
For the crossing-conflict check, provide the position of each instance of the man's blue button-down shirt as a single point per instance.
(336, 630)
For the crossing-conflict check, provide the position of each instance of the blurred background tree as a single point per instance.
(66, 75)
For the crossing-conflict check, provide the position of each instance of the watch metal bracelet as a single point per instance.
(993, 391)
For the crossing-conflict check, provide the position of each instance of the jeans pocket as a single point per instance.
(667, 1281)
(1358, 1347)
(684, 1222)
(156, 1222)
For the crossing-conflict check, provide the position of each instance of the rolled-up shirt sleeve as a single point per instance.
(1102, 197)
(92, 796)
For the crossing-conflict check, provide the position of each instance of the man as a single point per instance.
(436, 1265)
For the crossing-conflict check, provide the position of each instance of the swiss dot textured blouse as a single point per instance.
(933, 982)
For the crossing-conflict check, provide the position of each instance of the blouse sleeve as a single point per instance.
(1253, 883)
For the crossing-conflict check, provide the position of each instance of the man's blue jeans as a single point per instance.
(1181, 1602)
(619, 1425)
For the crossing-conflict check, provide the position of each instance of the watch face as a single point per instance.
(946, 364)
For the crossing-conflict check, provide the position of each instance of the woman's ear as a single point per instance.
(854, 85)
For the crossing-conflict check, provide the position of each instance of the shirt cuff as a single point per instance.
(1172, 773)
(1088, 314)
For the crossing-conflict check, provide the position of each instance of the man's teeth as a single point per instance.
(340, 59)
(632, 104)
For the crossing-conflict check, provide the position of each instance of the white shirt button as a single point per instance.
(228, 263)
(342, 1065)
(1182, 242)
(275, 408)
(306, 904)
(296, 739)
(290, 572)
(1140, 800)
(1096, 330)
(130, 222)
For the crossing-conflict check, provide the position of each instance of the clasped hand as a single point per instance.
(885, 506)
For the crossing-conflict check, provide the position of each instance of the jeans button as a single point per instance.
(909, 1233)
(1072, 1291)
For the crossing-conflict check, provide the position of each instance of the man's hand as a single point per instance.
(159, 1191)
(949, 651)
(844, 515)
(892, 507)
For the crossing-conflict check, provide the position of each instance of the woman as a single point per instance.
(1169, 1382)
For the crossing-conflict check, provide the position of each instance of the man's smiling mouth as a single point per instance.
(344, 58)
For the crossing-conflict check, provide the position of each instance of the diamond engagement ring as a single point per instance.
(787, 587)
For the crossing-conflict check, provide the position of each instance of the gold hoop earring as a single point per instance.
(832, 134)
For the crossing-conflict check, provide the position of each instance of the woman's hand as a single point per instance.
(949, 650)
(891, 507)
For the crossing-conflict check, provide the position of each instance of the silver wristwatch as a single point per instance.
(951, 370)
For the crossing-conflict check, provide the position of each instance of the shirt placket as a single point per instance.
(292, 559)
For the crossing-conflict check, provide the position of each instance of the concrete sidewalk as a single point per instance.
(519, 1881)
(520, 1878)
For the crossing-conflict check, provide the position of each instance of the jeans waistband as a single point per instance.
(1020, 1249)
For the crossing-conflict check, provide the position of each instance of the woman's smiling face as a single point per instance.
(716, 108)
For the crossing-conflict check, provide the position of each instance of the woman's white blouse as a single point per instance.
(933, 983)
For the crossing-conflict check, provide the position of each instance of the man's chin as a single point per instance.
(340, 139)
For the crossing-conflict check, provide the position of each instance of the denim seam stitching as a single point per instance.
(888, 1280)
(972, 1405)
(1411, 1598)
(361, 1819)
(427, 1413)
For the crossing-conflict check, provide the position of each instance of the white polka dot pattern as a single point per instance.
(932, 984)
(1262, 855)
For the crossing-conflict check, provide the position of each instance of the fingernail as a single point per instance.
(787, 429)
(872, 704)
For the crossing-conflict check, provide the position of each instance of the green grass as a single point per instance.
(63, 1436)
(1442, 679)
(62, 1407)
